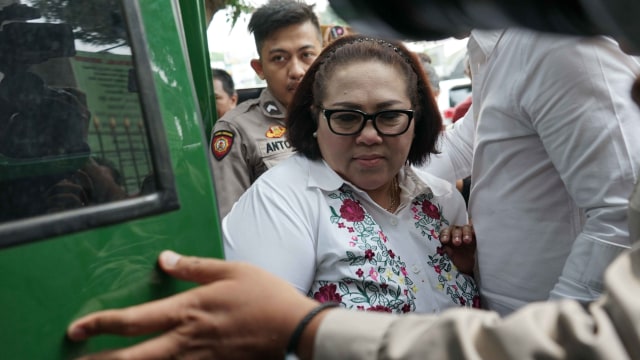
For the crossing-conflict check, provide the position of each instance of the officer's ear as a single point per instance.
(256, 65)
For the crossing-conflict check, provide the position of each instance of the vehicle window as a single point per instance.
(72, 131)
(457, 94)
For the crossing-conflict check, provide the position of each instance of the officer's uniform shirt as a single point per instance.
(246, 142)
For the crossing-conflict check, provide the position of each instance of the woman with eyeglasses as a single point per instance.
(347, 219)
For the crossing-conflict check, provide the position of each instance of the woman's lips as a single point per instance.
(369, 160)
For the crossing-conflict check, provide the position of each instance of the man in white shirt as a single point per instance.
(551, 145)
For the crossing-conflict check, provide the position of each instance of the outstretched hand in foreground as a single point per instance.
(238, 312)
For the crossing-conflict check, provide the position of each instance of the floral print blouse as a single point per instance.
(304, 223)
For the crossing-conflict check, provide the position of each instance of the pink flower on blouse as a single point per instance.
(430, 210)
(437, 269)
(391, 253)
(434, 234)
(379, 308)
(351, 211)
(327, 293)
(403, 270)
(406, 308)
(374, 274)
(359, 272)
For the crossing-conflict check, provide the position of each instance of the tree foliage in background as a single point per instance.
(236, 8)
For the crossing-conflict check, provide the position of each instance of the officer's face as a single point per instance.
(366, 159)
(285, 57)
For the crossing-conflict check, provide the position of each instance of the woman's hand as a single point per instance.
(239, 312)
(459, 243)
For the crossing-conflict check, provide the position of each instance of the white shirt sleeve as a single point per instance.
(284, 246)
(456, 147)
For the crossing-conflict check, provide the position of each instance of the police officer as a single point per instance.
(250, 139)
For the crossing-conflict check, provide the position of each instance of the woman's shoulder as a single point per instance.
(284, 184)
(295, 167)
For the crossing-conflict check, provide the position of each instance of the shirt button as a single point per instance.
(394, 222)
(415, 269)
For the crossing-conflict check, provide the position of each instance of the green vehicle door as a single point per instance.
(103, 162)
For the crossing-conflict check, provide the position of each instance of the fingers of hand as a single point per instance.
(142, 319)
(195, 269)
(445, 235)
(457, 235)
(468, 235)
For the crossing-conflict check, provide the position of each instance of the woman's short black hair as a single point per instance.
(304, 110)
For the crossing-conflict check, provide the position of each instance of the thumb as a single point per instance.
(192, 268)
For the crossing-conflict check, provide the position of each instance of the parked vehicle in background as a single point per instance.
(452, 92)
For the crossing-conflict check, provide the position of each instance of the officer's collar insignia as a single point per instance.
(275, 131)
(271, 108)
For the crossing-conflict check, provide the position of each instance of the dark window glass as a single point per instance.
(72, 133)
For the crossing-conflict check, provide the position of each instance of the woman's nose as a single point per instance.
(369, 135)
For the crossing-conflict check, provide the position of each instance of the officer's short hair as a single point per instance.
(277, 14)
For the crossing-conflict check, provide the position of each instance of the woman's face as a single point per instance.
(367, 159)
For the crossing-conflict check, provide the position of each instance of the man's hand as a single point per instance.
(239, 312)
(459, 243)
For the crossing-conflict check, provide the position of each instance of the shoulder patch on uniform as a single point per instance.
(275, 132)
(271, 108)
(221, 143)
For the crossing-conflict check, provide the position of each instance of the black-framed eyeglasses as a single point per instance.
(351, 122)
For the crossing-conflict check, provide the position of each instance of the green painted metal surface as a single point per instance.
(47, 284)
(196, 37)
